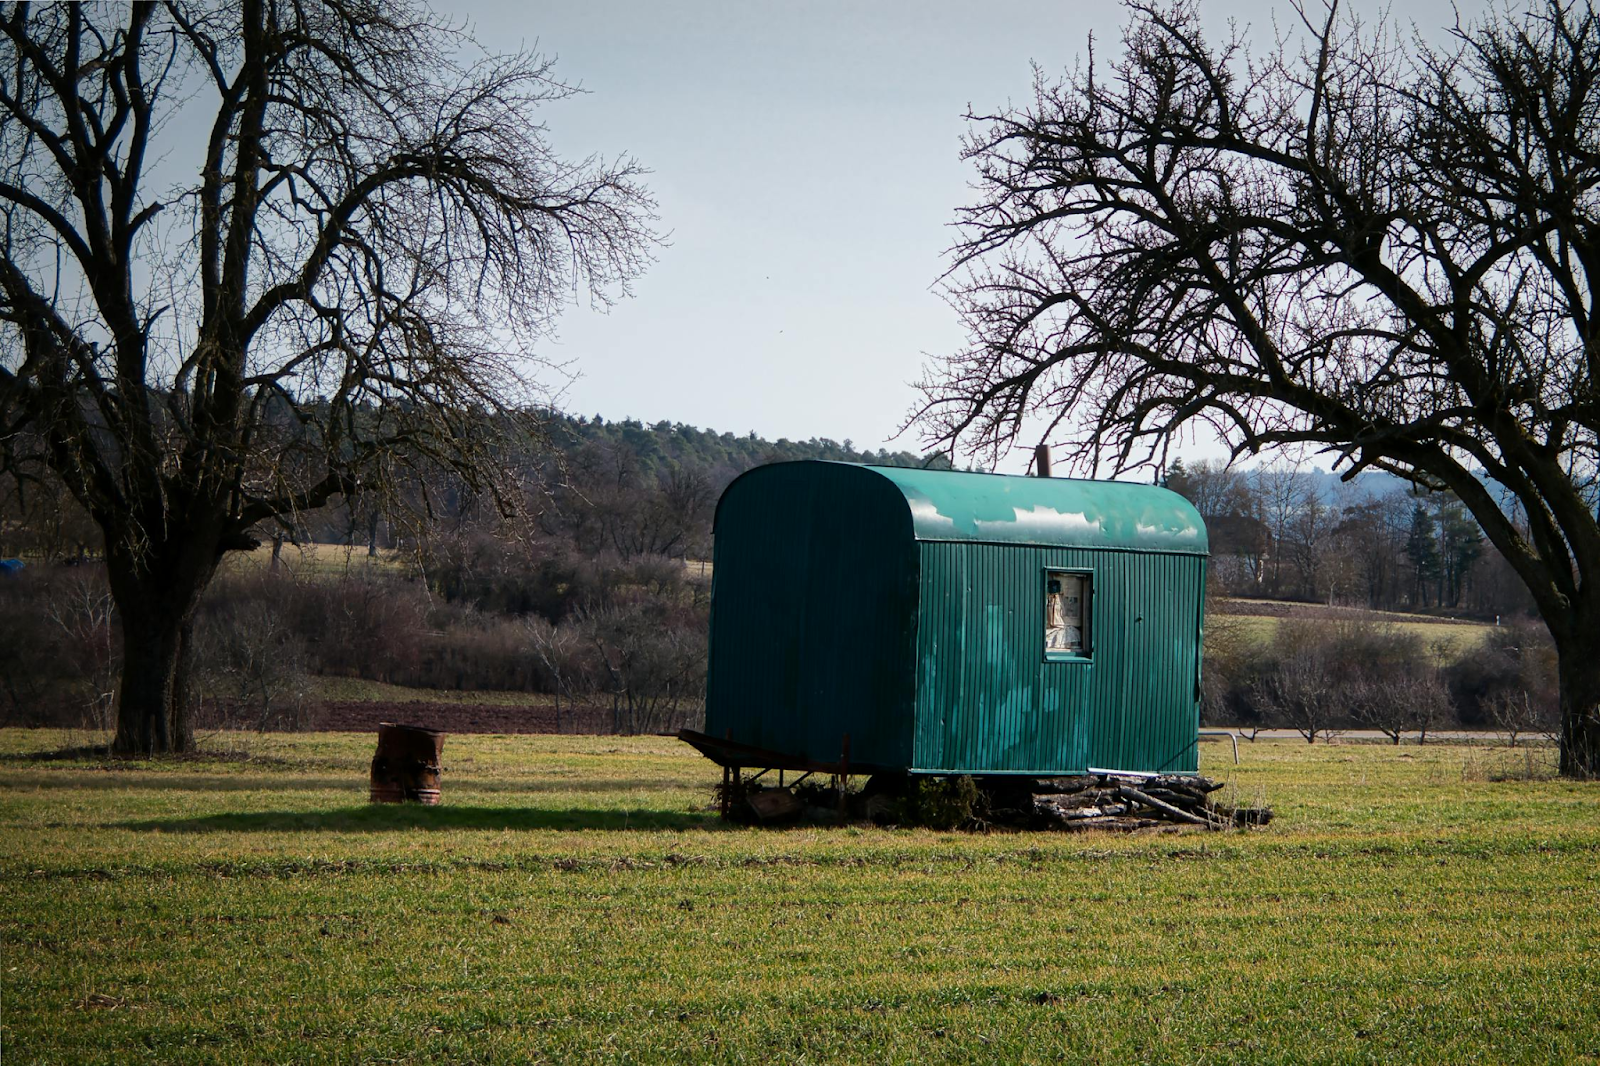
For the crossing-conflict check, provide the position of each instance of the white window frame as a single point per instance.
(1055, 616)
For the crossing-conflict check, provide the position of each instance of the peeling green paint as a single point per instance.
(1057, 512)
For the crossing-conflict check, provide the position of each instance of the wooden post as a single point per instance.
(844, 777)
(1041, 460)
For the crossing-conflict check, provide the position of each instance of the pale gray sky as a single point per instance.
(806, 159)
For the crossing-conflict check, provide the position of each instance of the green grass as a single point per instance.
(361, 690)
(573, 900)
(315, 560)
(1454, 640)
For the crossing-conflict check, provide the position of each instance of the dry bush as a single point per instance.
(656, 574)
(1503, 764)
(649, 661)
(546, 577)
(629, 656)
(559, 651)
(1514, 660)
(80, 608)
(464, 648)
(1297, 690)
(356, 625)
(1520, 714)
(1389, 680)
(362, 625)
(1318, 678)
(59, 653)
(1230, 658)
(30, 652)
(254, 663)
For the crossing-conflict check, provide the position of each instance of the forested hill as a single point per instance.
(610, 485)
(666, 444)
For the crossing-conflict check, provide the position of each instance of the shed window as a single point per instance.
(1066, 612)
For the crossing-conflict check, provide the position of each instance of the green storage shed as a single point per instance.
(943, 622)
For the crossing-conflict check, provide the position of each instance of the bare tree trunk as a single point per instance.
(150, 653)
(1579, 672)
(156, 588)
(182, 731)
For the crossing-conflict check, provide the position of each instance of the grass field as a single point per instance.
(1449, 640)
(362, 690)
(573, 900)
(315, 560)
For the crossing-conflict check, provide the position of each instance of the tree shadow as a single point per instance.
(101, 757)
(384, 817)
(120, 779)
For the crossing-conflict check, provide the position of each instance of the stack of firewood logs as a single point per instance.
(1108, 801)
(1115, 802)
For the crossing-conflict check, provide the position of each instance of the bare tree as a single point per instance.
(610, 501)
(1214, 488)
(1280, 494)
(556, 647)
(83, 611)
(372, 233)
(1302, 686)
(1368, 547)
(1359, 243)
(1425, 693)
(259, 663)
(1414, 701)
(1300, 692)
(655, 671)
(1308, 535)
(1371, 701)
(1518, 713)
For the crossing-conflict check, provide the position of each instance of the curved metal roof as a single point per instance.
(954, 505)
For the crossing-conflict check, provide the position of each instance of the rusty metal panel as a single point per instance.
(991, 701)
(813, 615)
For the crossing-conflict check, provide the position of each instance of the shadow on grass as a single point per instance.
(125, 779)
(388, 817)
(99, 757)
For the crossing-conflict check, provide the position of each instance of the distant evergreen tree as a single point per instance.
(1460, 546)
(1177, 480)
(721, 456)
(1422, 549)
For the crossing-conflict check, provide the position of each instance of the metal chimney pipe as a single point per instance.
(1041, 461)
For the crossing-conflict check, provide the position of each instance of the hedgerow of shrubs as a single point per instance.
(627, 640)
(1319, 677)
(624, 641)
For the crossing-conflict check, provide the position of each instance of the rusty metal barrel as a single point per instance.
(406, 766)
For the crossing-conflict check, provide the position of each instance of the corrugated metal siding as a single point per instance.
(989, 702)
(813, 609)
